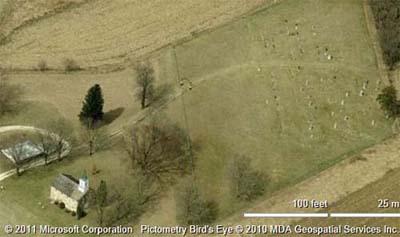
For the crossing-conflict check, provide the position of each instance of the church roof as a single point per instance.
(69, 186)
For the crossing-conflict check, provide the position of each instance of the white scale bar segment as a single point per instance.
(285, 215)
(365, 215)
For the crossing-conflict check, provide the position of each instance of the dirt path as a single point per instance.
(40, 162)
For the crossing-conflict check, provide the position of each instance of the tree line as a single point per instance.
(387, 18)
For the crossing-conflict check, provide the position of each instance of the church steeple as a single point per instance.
(84, 182)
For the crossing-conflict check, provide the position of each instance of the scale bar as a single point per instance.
(286, 215)
(365, 215)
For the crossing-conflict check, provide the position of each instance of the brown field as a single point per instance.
(106, 32)
(365, 201)
(17, 13)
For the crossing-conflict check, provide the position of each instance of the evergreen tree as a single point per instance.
(92, 110)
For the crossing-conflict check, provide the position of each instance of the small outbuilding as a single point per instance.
(70, 193)
(25, 151)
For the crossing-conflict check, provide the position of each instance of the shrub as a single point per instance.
(9, 94)
(245, 182)
(388, 101)
(62, 205)
(192, 208)
(56, 203)
(73, 213)
(71, 65)
(42, 66)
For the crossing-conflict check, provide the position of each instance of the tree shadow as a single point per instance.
(162, 94)
(112, 115)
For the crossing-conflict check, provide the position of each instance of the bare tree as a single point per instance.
(191, 207)
(17, 155)
(9, 94)
(157, 149)
(46, 143)
(95, 137)
(246, 183)
(145, 82)
(129, 205)
(60, 131)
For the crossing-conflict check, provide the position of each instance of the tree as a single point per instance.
(61, 134)
(127, 206)
(245, 182)
(95, 137)
(388, 101)
(145, 82)
(92, 110)
(157, 149)
(101, 201)
(9, 94)
(192, 208)
(46, 144)
(17, 154)
(387, 19)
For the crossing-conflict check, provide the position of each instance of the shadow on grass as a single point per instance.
(112, 115)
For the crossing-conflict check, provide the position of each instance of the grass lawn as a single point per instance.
(21, 197)
(30, 113)
(65, 92)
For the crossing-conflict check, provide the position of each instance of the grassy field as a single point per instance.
(106, 32)
(281, 86)
(65, 92)
(249, 97)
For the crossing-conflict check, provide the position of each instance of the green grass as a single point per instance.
(21, 197)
